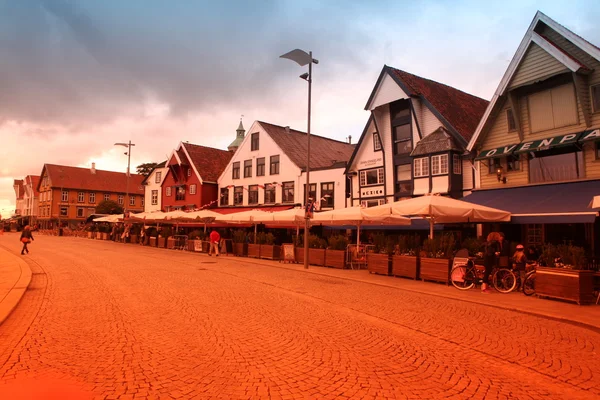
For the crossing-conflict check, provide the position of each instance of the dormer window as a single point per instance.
(254, 141)
(376, 142)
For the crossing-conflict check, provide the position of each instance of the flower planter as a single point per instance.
(153, 241)
(240, 249)
(434, 269)
(405, 266)
(90, 235)
(253, 250)
(316, 257)
(104, 236)
(170, 243)
(378, 263)
(133, 239)
(270, 251)
(98, 236)
(335, 259)
(299, 252)
(565, 284)
(162, 242)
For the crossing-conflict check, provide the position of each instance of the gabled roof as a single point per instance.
(34, 181)
(437, 141)
(549, 46)
(19, 190)
(324, 152)
(67, 177)
(159, 165)
(208, 162)
(360, 140)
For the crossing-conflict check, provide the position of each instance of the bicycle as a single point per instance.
(465, 276)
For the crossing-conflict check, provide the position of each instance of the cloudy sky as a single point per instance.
(77, 76)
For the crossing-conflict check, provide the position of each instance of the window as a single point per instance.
(235, 172)
(189, 172)
(180, 193)
(92, 198)
(64, 211)
(80, 197)
(143, 201)
(238, 196)
(327, 195)
(372, 203)
(120, 199)
(248, 169)
(312, 193)
(404, 178)
(513, 163)
(287, 192)
(106, 196)
(193, 189)
(260, 166)
(158, 177)
(535, 234)
(155, 197)
(493, 165)
(371, 177)
(595, 98)
(64, 196)
(556, 168)
(552, 108)
(224, 196)
(254, 142)
(79, 212)
(402, 139)
(439, 164)
(456, 164)
(274, 167)
(168, 191)
(269, 193)
(253, 194)
(132, 200)
(510, 120)
(421, 167)
(376, 142)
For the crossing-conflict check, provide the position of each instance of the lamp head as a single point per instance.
(304, 76)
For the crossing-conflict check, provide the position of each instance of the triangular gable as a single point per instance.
(528, 68)
(368, 129)
(386, 91)
(531, 37)
(192, 164)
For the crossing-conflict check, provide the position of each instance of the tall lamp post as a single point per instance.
(128, 154)
(302, 58)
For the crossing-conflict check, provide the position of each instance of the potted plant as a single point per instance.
(435, 260)
(152, 235)
(134, 233)
(163, 235)
(91, 231)
(240, 247)
(335, 256)
(564, 276)
(378, 260)
(316, 250)
(404, 257)
(254, 247)
(268, 249)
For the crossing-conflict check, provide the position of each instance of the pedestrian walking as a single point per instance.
(26, 238)
(215, 240)
(490, 258)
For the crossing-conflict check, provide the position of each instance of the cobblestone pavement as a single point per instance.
(122, 321)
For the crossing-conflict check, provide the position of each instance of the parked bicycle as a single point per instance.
(465, 276)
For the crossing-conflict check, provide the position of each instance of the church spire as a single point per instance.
(239, 138)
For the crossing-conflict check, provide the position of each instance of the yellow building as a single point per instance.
(537, 144)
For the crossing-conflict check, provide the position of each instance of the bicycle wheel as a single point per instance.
(529, 284)
(462, 277)
(504, 280)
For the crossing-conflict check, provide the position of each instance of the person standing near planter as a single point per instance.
(520, 262)
(215, 240)
(26, 238)
(490, 258)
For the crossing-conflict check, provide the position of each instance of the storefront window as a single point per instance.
(556, 168)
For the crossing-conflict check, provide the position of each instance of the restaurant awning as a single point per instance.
(557, 203)
(229, 210)
(497, 152)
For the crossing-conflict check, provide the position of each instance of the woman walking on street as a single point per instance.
(26, 238)
(490, 258)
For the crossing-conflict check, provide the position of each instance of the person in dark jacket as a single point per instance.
(493, 248)
(26, 238)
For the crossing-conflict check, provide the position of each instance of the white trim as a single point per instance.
(554, 52)
(191, 163)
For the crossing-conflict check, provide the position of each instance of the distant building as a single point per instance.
(30, 197)
(153, 187)
(19, 193)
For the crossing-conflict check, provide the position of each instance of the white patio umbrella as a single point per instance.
(595, 203)
(243, 217)
(149, 216)
(110, 218)
(359, 217)
(293, 216)
(202, 216)
(441, 209)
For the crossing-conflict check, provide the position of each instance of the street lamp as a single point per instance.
(128, 154)
(302, 58)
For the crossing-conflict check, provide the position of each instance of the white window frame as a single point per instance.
(421, 167)
(168, 191)
(154, 197)
(189, 171)
(80, 210)
(456, 164)
(437, 165)
(80, 197)
(193, 189)
(64, 196)
(363, 177)
(131, 200)
(376, 142)
(92, 198)
(120, 199)
(157, 176)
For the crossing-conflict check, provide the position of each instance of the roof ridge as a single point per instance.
(88, 168)
(205, 147)
(304, 133)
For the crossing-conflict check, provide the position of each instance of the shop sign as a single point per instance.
(545, 144)
(497, 152)
(371, 162)
(371, 191)
(590, 135)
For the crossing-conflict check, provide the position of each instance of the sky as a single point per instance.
(76, 76)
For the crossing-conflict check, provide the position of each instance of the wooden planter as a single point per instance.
(133, 239)
(299, 252)
(565, 284)
(104, 236)
(270, 251)
(316, 257)
(170, 243)
(335, 259)
(162, 242)
(405, 266)
(153, 241)
(240, 249)
(378, 263)
(90, 235)
(434, 269)
(253, 250)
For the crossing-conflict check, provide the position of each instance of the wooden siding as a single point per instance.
(430, 122)
(387, 92)
(535, 65)
(384, 124)
(592, 165)
(498, 134)
(467, 175)
(513, 178)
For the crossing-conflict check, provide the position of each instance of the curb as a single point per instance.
(12, 299)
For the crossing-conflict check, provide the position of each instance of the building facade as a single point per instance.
(30, 197)
(414, 141)
(153, 187)
(538, 145)
(19, 193)
(70, 194)
(269, 167)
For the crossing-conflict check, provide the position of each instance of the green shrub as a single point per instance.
(338, 242)
(564, 256)
(315, 242)
(407, 244)
(473, 245)
(261, 238)
(269, 239)
(441, 246)
(380, 242)
(239, 236)
(195, 235)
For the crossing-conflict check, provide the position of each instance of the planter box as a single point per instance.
(299, 252)
(405, 266)
(197, 245)
(565, 284)
(253, 250)
(153, 241)
(335, 259)
(270, 251)
(162, 242)
(98, 235)
(104, 236)
(434, 269)
(133, 239)
(240, 249)
(378, 263)
(90, 235)
(170, 243)
(316, 257)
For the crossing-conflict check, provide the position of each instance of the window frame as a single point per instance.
(157, 176)
(456, 164)
(131, 200)
(269, 187)
(238, 192)
(439, 158)
(224, 194)
(286, 186)
(120, 199)
(510, 117)
(82, 212)
(168, 191)
(248, 168)
(274, 162)
(253, 136)
(106, 196)
(92, 198)
(81, 197)
(324, 193)
(180, 193)
(258, 164)
(64, 196)
(252, 191)
(594, 110)
(193, 188)
(493, 165)
(377, 146)
(235, 170)
(154, 197)
(310, 191)
(363, 174)
(63, 211)
(513, 163)
(421, 167)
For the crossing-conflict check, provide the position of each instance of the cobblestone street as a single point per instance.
(123, 321)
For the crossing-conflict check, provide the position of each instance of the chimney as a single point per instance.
(287, 129)
(93, 169)
(349, 139)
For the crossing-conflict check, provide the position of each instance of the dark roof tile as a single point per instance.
(209, 162)
(101, 181)
(436, 142)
